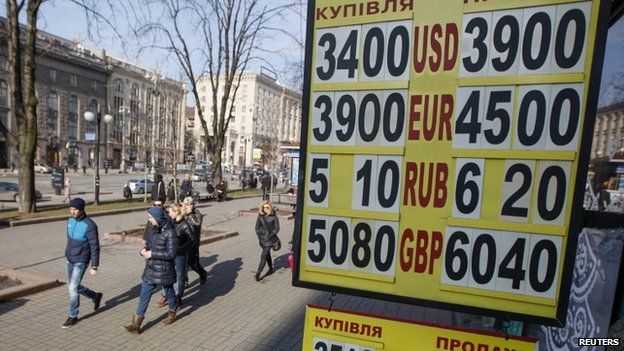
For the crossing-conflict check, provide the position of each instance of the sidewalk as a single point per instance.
(231, 312)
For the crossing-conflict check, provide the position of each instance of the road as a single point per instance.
(231, 312)
(83, 185)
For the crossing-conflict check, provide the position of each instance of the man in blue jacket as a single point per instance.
(83, 246)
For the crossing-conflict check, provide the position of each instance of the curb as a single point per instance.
(33, 283)
(21, 222)
(121, 238)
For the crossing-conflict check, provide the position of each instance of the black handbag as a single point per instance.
(277, 245)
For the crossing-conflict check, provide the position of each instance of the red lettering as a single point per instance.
(409, 191)
(422, 241)
(436, 34)
(439, 198)
(320, 13)
(452, 37)
(425, 251)
(449, 35)
(408, 234)
(413, 133)
(446, 113)
(424, 190)
(436, 118)
(431, 178)
(436, 249)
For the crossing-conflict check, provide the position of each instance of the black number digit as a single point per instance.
(392, 100)
(543, 191)
(384, 263)
(537, 97)
(515, 273)
(336, 258)
(347, 119)
(509, 208)
(347, 58)
(327, 38)
(361, 244)
(530, 62)
(462, 186)
(576, 16)
(501, 114)
(320, 346)
(316, 224)
(535, 264)
(335, 347)
(479, 24)
(398, 34)
(389, 166)
(510, 46)
(365, 174)
(574, 99)
(315, 176)
(373, 99)
(473, 127)
(323, 100)
(372, 69)
(490, 267)
(452, 253)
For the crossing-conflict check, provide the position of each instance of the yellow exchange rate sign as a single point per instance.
(342, 330)
(444, 151)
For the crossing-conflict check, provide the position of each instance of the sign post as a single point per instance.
(444, 151)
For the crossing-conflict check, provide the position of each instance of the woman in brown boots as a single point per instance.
(159, 253)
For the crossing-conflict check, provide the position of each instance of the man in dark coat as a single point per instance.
(266, 185)
(83, 247)
(195, 218)
(158, 189)
(187, 187)
(159, 253)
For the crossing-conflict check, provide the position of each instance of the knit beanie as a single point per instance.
(158, 213)
(77, 203)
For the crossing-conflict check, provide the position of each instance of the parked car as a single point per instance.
(41, 167)
(10, 192)
(138, 186)
(202, 175)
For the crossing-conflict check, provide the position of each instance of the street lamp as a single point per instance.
(122, 110)
(89, 117)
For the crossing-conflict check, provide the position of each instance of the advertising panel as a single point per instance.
(444, 150)
(342, 330)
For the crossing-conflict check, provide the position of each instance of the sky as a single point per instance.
(67, 20)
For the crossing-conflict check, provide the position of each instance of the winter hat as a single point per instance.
(189, 200)
(158, 213)
(77, 203)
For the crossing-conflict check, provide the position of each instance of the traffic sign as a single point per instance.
(444, 151)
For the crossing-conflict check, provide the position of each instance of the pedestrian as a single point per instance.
(158, 189)
(195, 218)
(84, 169)
(159, 253)
(266, 185)
(12, 167)
(254, 182)
(185, 242)
(187, 186)
(67, 190)
(75, 168)
(171, 190)
(267, 227)
(127, 192)
(221, 190)
(82, 251)
(604, 198)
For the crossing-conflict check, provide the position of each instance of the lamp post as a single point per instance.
(89, 117)
(122, 110)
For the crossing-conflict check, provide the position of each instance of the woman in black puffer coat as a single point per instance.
(159, 251)
(185, 243)
(267, 227)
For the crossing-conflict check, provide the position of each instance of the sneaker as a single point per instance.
(70, 322)
(202, 279)
(97, 300)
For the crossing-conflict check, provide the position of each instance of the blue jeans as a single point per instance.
(181, 269)
(75, 272)
(147, 290)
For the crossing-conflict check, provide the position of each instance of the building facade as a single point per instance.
(70, 80)
(607, 155)
(265, 115)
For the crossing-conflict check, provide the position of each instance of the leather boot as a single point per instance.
(134, 328)
(162, 302)
(170, 317)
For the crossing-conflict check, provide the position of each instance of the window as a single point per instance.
(4, 62)
(52, 110)
(118, 86)
(72, 107)
(74, 80)
(53, 74)
(4, 118)
(135, 90)
(72, 130)
(94, 85)
(4, 93)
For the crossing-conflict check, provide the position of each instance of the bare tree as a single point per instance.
(22, 65)
(229, 32)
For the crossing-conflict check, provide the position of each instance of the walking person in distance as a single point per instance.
(82, 251)
(267, 227)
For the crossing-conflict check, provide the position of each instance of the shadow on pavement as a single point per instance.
(9, 306)
(221, 280)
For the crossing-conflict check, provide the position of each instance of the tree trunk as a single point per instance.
(217, 174)
(145, 175)
(175, 184)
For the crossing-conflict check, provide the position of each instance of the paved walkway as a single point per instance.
(231, 312)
